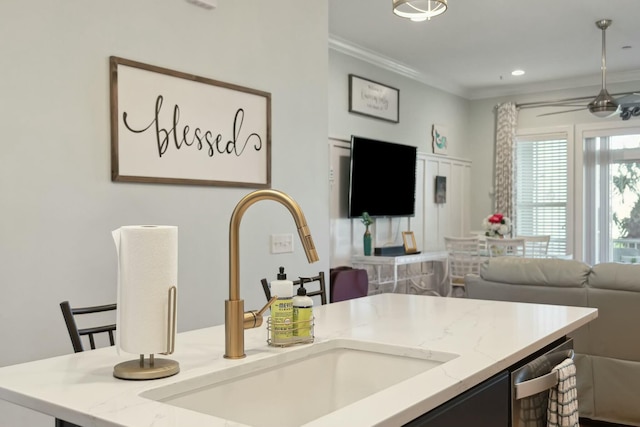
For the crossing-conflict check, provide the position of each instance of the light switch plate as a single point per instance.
(281, 243)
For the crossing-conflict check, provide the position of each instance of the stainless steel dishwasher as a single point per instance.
(530, 385)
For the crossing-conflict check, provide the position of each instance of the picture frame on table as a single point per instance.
(409, 240)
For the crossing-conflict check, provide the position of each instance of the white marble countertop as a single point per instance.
(489, 336)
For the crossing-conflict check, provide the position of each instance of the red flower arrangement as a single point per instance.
(496, 225)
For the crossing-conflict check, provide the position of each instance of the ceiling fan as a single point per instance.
(603, 105)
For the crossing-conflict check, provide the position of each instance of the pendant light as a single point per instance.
(419, 10)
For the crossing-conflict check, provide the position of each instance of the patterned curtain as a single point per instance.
(505, 144)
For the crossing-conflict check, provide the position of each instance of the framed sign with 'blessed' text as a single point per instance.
(177, 128)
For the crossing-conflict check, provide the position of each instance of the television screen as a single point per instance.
(382, 178)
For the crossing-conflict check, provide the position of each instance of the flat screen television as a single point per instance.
(382, 178)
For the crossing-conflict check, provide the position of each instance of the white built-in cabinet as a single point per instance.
(432, 221)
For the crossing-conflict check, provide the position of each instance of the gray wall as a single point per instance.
(57, 201)
(420, 107)
(58, 205)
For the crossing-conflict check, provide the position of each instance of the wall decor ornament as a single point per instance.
(440, 141)
(441, 189)
(373, 99)
(177, 128)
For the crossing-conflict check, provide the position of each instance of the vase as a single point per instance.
(366, 241)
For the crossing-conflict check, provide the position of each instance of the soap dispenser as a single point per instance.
(282, 309)
(302, 312)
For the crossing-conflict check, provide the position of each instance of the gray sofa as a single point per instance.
(607, 349)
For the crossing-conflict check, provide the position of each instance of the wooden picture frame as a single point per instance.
(409, 240)
(177, 128)
(373, 99)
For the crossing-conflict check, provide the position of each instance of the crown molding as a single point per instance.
(594, 80)
(359, 52)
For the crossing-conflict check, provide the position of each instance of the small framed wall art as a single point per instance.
(441, 189)
(373, 99)
(440, 141)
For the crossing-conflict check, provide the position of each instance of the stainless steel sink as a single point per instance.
(294, 388)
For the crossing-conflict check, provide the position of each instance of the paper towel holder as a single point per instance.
(152, 368)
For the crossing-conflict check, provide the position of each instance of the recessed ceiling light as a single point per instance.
(517, 72)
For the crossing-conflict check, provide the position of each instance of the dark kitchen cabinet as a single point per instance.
(485, 405)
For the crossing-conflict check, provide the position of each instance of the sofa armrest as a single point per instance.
(536, 271)
(616, 276)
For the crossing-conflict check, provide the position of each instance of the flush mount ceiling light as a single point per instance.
(517, 73)
(419, 10)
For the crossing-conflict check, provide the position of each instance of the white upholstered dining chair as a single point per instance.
(506, 247)
(536, 246)
(463, 259)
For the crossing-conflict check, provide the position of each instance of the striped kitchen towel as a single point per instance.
(562, 410)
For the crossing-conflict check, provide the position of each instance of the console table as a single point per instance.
(360, 261)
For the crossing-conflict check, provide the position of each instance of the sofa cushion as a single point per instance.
(614, 333)
(622, 277)
(536, 272)
(616, 390)
(584, 383)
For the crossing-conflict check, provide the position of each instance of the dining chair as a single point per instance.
(319, 292)
(347, 283)
(482, 239)
(69, 313)
(536, 246)
(463, 258)
(506, 247)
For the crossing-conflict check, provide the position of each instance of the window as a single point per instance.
(541, 189)
(612, 196)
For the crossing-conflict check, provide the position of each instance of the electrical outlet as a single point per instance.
(281, 243)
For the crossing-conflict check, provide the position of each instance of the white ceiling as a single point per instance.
(472, 48)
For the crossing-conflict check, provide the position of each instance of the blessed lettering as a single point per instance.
(201, 139)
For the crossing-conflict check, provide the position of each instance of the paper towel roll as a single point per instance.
(147, 268)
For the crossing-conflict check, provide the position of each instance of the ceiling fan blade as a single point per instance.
(561, 112)
(565, 105)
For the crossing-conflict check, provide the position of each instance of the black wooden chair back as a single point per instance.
(321, 290)
(76, 334)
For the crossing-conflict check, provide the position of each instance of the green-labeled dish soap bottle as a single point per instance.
(302, 312)
(282, 309)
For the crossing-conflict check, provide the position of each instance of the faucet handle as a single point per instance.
(253, 318)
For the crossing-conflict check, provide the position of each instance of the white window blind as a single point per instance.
(541, 188)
